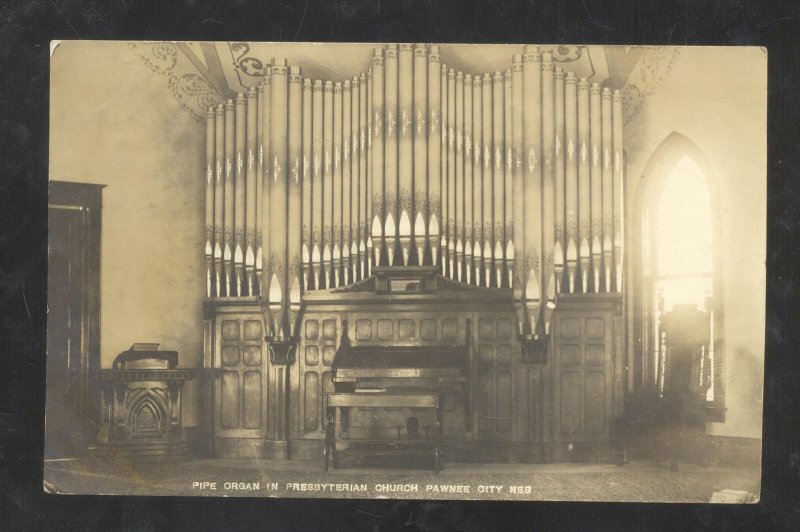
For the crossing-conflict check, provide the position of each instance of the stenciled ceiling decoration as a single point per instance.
(244, 64)
(646, 78)
(189, 87)
(203, 74)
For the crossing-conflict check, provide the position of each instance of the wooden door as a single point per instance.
(240, 359)
(583, 375)
(73, 318)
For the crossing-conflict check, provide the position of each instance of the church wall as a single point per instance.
(114, 122)
(717, 99)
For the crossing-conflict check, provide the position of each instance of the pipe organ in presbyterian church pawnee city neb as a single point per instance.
(415, 261)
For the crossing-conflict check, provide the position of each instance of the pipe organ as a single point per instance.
(506, 183)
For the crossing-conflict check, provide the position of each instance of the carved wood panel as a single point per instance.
(495, 392)
(582, 375)
(240, 384)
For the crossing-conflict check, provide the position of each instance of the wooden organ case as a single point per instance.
(416, 257)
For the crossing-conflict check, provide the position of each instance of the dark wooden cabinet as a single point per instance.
(560, 406)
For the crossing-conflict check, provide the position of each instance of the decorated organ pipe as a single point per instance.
(434, 157)
(306, 177)
(355, 183)
(449, 185)
(571, 180)
(240, 187)
(210, 156)
(560, 247)
(420, 132)
(618, 203)
(548, 167)
(293, 217)
(259, 258)
(336, 177)
(365, 141)
(327, 186)
(405, 133)
(508, 200)
(442, 177)
(250, 193)
(608, 223)
(219, 203)
(227, 250)
(377, 154)
(488, 223)
(596, 191)
(391, 182)
(457, 241)
(509, 180)
(266, 179)
(532, 186)
(498, 177)
(584, 186)
(518, 207)
(346, 181)
(469, 223)
(477, 178)
(277, 258)
(317, 271)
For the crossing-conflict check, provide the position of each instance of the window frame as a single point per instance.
(657, 171)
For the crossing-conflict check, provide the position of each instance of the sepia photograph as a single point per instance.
(406, 271)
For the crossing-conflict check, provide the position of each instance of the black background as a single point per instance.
(25, 31)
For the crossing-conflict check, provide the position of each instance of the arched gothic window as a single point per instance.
(680, 293)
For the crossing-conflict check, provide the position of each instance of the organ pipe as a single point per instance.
(355, 178)
(327, 185)
(278, 220)
(392, 182)
(548, 171)
(405, 169)
(336, 177)
(457, 241)
(294, 220)
(607, 191)
(434, 155)
(618, 204)
(498, 176)
(420, 132)
(259, 258)
(571, 179)
(240, 187)
(517, 151)
(442, 175)
(317, 270)
(306, 176)
(532, 184)
(469, 221)
(560, 247)
(229, 203)
(509, 180)
(477, 177)
(596, 191)
(508, 199)
(488, 226)
(378, 191)
(209, 247)
(584, 185)
(249, 193)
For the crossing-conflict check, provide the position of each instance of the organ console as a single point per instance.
(508, 181)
